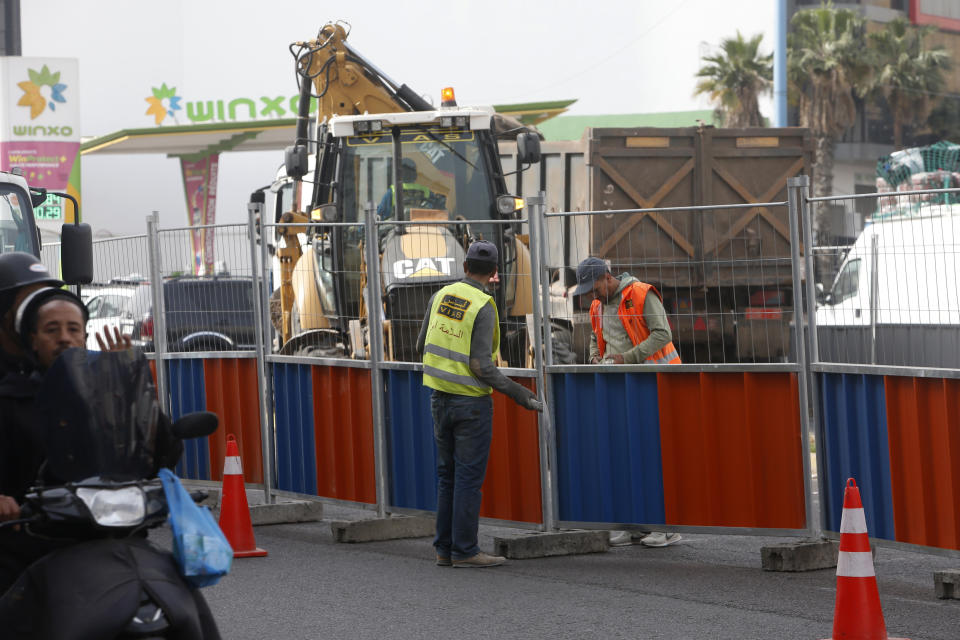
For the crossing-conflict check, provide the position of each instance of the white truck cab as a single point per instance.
(896, 297)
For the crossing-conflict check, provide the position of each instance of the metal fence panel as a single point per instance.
(608, 447)
(231, 388)
(855, 445)
(731, 449)
(923, 416)
(343, 432)
(296, 450)
(511, 489)
(187, 394)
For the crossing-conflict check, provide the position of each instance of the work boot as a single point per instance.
(480, 560)
(443, 561)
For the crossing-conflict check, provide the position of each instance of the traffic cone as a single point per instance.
(857, 615)
(234, 511)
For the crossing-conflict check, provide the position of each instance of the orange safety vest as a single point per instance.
(630, 313)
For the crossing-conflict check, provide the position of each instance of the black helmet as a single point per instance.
(18, 269)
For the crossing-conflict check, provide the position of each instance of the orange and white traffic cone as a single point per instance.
(234, 511)
(857, 615)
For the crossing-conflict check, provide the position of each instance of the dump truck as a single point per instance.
(370, 134)
(724, 274)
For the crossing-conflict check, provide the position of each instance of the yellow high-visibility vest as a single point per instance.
(446, 352)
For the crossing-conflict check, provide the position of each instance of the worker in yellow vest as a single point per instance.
(459, 340)
(629, 327)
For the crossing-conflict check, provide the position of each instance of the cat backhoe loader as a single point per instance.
(371, 134)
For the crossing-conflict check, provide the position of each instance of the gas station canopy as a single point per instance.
(256, 135)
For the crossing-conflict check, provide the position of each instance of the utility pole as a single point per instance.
(10, 28)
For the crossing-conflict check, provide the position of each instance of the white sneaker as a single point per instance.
(620, 538)
(660, 539)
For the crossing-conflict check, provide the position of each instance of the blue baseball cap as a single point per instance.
(588, 272)
(483, 251)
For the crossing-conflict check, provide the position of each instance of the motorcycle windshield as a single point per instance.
(99, 415)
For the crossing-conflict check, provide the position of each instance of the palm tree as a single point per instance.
(827, 62)
(907, 73)
(735, 78)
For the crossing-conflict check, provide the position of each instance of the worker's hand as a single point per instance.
(115, 342)
(616, 358)
(9, 509)
(595, 360)
(532, 403)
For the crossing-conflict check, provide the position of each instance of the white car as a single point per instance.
(108, 306)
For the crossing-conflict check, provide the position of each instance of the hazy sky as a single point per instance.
(612, 56)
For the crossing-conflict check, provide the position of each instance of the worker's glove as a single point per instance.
(531, 403)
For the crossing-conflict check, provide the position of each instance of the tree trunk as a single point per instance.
(897, 133)
(820, 211)
(823, 165)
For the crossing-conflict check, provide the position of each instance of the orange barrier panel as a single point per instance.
(511, 490)
(923, 430)
(343, 434)
(232, 393)
(730, 446)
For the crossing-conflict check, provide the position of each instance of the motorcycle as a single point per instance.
(98, 496)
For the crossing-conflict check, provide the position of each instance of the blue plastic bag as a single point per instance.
(201, 550)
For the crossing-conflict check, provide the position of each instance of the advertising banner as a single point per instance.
(200, 186)
(40, 129)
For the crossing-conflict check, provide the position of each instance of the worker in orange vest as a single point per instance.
(629, 326)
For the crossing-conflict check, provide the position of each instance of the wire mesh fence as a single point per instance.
(209, 299)
(419, 257)
(723, 274)
(890, 296)
(317, 275)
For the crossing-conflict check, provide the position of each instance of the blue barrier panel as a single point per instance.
(296, 452)
(608, 447)
(188, 394)
(410, 443)
(854, 433)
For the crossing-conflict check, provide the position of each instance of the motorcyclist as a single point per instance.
(46, 321)
(49, 321)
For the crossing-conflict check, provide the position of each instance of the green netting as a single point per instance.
(900, 165)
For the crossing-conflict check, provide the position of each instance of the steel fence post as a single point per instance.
(159, 314)
(374, 310)
(794, 196)
(813, 346)
(266, 440)
(540, 320)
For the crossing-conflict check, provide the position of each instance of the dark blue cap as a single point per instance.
(588, 272)
(483, 251)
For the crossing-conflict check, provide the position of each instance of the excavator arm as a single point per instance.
(346, 83)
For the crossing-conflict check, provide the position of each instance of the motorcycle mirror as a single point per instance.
(198, 424)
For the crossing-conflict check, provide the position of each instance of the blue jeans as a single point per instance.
(462, 427)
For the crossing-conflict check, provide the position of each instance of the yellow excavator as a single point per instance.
(368, 134)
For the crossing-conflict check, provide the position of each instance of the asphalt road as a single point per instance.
(707, 586)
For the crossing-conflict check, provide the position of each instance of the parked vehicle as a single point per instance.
(18, 228)
(202, 314)
(108, 307)
(896, 298)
